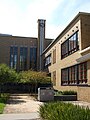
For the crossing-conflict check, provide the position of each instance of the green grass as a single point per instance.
(63, 111)
(3, 100)
(2, 105)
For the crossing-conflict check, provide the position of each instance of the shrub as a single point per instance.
(3, 99)
(63, 111)
(7, 74)
(69, 93)
(34, 77)
(65, 93)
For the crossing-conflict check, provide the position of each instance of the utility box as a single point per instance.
(45, 94)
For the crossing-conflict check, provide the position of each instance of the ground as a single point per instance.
(21, 107)
(25, 107)
(22, 103)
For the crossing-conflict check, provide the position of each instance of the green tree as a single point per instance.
(34, 78)
(7, 75)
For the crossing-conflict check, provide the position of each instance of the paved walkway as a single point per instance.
(25, 107)
(21, 107)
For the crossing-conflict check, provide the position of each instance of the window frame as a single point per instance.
(33, 50)
(66, 46)
(79, 73)
(23, 58)
(13, 55)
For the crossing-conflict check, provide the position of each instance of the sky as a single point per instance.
(19, 17)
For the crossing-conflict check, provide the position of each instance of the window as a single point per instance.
(13, 57)
(54, 56)
(64, 76)
(33, 58)
(70, 45)
(82, 69)
(76, 74)
(54, 78)
(23, 58)
(47, 61)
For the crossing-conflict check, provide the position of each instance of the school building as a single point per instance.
(66, 59)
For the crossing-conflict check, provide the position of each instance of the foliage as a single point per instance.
(63, 111)
(3, 99)
(34, 77)
(65, 92)
(69, 93)
(7, 74)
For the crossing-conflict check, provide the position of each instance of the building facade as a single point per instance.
(67, 58)
(24, 53)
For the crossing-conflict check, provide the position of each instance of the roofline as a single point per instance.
(24, 37)
(56, 40)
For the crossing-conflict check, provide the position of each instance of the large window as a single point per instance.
(76, 74)
(23, 58)
(33, 58)
(70, 45)
(13, 57)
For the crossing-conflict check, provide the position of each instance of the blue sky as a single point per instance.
(19, 17)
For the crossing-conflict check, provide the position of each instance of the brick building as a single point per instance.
(24, 53)
(67, 58)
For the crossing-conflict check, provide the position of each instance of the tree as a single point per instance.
(7, 75)
(34, 78)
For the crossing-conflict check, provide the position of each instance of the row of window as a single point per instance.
(23, 56)
(68, 47)
(73, 75)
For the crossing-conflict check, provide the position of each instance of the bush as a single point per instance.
(7, 74)
(63, 111)
(3, 99)
(34, 77)
(65, 93)
(69, 93)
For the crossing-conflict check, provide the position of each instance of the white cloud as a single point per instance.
(19, 17)
(24, 23)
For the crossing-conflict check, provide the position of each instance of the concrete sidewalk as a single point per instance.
(21, 107)
(21, 116)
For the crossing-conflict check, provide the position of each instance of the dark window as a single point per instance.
(23, 58)
(47, 61)
(33, 58)
(64, 76)
(76, 74)
(82, 70)
(70, 45)
(13, 57)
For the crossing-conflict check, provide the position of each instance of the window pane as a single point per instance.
(69, 46)
(13, 57)
(33, 58)
(65, 76)
(23, 58)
